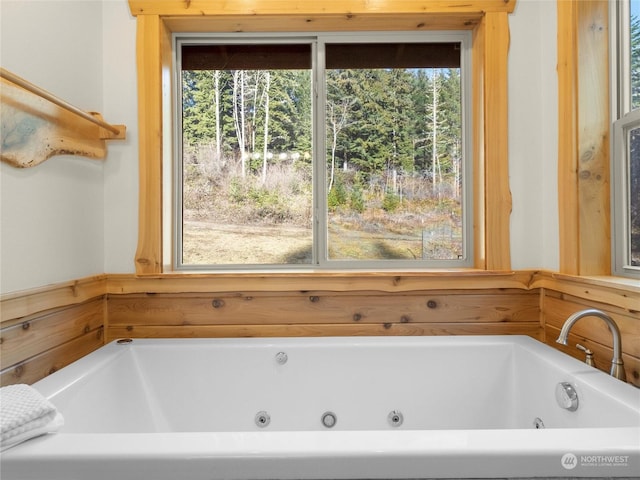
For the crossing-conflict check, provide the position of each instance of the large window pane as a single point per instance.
(633, 176)
(394, 152)
(246, 155)
(634, 197)
(310, 152)
(626, 144)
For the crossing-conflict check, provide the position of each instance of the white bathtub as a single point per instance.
(402, 407)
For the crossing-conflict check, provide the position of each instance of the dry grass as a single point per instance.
(229, 219)
(206, 243)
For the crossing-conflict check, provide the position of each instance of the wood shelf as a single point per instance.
(37, 125)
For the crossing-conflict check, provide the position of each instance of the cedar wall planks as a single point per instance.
(253, 314)
(44, 330)
(37, 345)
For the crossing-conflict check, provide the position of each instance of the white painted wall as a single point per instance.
(121, 169)
(533, 135)
(52, 216)
(72, 217)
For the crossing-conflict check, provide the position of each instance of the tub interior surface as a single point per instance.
(222, 386)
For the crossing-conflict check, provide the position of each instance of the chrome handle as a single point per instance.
(589, 359)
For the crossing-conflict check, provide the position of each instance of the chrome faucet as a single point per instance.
(617, 367)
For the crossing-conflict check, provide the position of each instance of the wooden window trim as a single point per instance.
(583, 137)
(488, 19)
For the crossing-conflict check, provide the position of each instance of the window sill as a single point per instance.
(337, 281)
(619, 283)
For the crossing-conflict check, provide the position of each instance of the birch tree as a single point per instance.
(338, 119)
(239, 115)
(265, 147)
(435, 163)
(217, 107)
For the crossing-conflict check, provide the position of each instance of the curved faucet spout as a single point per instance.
(617, 366)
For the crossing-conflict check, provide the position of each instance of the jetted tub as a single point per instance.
(363, 407)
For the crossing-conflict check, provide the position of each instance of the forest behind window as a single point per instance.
(286, 163)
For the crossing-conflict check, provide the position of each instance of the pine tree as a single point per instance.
(635, 62)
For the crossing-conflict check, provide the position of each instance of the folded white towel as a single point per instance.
(24, 414)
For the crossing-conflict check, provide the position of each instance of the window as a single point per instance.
(333, 150)
(626, 142)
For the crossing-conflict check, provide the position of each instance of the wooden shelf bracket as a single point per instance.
(37, 125)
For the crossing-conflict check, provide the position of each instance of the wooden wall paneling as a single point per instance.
(49, 361)
(322, 307)
(51, 339)
(39, 333)
(324, 313)
(14, 306)
(614, 291)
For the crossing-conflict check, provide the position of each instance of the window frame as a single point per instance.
(174, 163)
(318, 42)
(621, 196)
(486, 19)
(625, 119)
